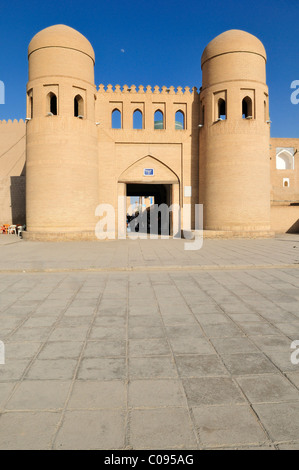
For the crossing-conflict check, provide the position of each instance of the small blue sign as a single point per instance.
(148, 172)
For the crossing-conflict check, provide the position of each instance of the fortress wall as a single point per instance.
(12, 172)
(279, 193)
(285, 219)
(284, 211)
(74, 164)
(120, 149)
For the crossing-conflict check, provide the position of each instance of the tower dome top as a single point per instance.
(61, 35)
(233, 40)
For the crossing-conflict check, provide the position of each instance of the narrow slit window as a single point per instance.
(221, 109)
(116, 119)
(158, 120)
(78, 106)
(247, 108)
(137, 119)
(179, 120)
(31, 107)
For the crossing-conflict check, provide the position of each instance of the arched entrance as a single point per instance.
(143, 200)
(146, 184)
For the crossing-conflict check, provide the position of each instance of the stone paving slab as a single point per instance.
(111, 255)
(150, 359)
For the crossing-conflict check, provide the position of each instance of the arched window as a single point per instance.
(284, 160)
(137, 119)
(246, 107)
(158, 120)
(116, 119)
(179, 120)
(78, 106)
(221, 109)
(52, 103)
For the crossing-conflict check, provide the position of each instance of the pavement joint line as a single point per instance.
(154, 268)
(127, 415)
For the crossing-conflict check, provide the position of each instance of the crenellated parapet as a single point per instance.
(156, 90)
(149, 101)
(11, 122)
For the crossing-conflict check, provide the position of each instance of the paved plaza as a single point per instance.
(143, 345)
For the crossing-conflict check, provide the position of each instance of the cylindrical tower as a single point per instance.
(235, 136)
(62, 150)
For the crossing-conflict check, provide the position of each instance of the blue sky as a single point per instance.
(162, 43)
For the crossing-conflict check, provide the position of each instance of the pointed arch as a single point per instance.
(221, 109)
(116, 119)
(52, 103)
(159, 119)
(78, 106)
(179, 120)
(162, 172)
(247, 108)
(284, 160)
(138, 119)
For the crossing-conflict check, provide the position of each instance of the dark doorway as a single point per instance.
(150, 220)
